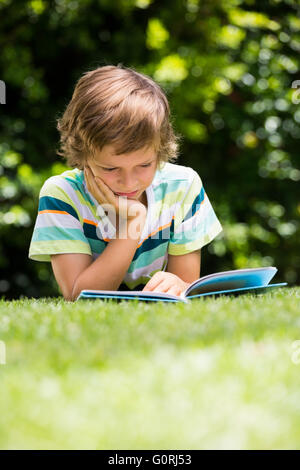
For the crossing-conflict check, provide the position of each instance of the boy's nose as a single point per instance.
(128, 184)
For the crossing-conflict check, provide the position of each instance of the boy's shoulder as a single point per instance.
(172, 173)
(65, 181)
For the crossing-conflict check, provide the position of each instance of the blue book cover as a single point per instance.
(234, 282)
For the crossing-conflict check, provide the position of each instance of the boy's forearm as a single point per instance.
(108, 270)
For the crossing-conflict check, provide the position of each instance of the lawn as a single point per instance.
(216, 373)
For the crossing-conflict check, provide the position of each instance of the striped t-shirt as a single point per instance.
(180, 219)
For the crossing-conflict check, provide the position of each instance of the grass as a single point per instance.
(219, 373)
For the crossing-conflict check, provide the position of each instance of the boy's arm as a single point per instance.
(75, 272)
(187, 267)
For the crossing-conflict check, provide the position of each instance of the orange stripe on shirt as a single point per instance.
(91, 222)
(52, 211)
(157, 230)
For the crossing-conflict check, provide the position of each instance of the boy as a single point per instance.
(116, 134)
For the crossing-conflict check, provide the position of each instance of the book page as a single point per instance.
(239, 278)
(130, 294)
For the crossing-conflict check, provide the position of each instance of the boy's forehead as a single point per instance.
(108, 155)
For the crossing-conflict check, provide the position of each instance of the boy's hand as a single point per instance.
(127, 208)
(166, 282)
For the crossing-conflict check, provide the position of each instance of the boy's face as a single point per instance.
(127, 174)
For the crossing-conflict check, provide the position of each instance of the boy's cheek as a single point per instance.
(108, 181)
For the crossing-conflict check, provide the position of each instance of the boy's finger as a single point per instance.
(86, 176)
(96, 191)
(174, 290)
(163, 286)
(100, 190)
(149, 286)
(153, 283)
(104, 186)
(110, 197)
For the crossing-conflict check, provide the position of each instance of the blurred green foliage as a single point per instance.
(230, 69)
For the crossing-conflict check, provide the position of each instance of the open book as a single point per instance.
(234, 282)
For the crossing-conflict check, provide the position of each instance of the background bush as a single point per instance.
(230, 69)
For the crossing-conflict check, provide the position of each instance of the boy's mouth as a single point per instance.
(127, 194)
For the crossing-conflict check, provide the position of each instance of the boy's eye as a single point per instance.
(112, 169)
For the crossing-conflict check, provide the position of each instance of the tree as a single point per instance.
(230, 71)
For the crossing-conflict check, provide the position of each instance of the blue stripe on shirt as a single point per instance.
(53, 204)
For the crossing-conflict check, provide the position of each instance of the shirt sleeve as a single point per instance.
(195, 223)
(58, 228)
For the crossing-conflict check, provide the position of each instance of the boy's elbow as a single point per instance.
(70, 295)
(80, 284)
(73, 294)
(76, 289)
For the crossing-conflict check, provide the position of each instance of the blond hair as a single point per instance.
(118, 106)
